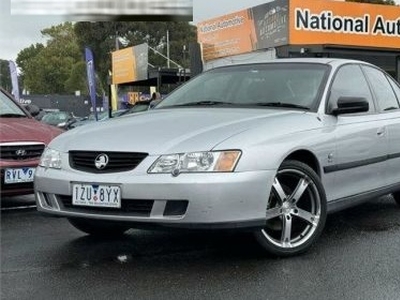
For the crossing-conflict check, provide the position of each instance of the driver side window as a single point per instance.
(349, 81)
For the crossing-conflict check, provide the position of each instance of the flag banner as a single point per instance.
(91, 79)
(14, 80)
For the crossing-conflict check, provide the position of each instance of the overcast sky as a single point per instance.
(19, 32)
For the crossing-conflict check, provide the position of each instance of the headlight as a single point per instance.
(50, 159)
(212, 161)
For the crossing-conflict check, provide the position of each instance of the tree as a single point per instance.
(26, 59)
(5, 76)
(45, 69)
(384, 2)
(100, 38)
(58, 66)
(105, 37)
(77, 80)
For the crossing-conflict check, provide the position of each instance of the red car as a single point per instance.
(22, 141)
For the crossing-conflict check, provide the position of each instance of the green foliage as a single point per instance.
(58, 67)
(102, 38)
(5, 76)
(384, 2)
(77, 78)
(46, 69)
(26, 58)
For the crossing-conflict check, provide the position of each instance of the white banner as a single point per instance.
(14, 80)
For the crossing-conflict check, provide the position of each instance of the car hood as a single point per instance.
(27, 130)
(177, 130)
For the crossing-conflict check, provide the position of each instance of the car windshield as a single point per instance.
(8, 108)
(287, 85)
(55, 117)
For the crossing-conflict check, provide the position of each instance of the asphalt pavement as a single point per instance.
(357, 257)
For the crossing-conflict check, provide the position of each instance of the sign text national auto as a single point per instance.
(344, 23)
(327, 21)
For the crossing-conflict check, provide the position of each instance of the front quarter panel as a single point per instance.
(265, 147)
(315, 136)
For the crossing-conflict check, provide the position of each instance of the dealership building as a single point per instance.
(304, 28)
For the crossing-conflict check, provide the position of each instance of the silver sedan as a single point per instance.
(271, 148)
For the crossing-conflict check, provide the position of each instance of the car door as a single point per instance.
(360, 138)
(387, 95)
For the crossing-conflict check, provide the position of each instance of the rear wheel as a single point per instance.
(296, 211)
(396, 197)
(98, 227)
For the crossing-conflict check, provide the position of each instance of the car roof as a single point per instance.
(318, 60)
(321, 60)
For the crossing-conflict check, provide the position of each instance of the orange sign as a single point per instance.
(228, 35)
(123, 66)
(344, 23)
(133, 97)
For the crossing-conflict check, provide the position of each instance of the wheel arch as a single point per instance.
(306, 157)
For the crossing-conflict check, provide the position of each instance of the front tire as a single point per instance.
(296, 211)
(98, 227)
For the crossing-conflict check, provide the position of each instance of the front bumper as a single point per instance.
(213, 200)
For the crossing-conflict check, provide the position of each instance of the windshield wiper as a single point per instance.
(281, 104)
(10, 115)
(205, 102)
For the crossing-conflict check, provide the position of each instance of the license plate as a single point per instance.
(18, 175)
(96, 195)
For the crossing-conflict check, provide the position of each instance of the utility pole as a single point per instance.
(1, 74)
(116, 38)
(168, 64)
(184, 53)
(115, 86)
(166, 57)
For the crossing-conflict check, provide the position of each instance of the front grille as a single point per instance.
(117, 161)
(21, 151)
(139, 208)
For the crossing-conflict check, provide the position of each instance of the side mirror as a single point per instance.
(33, 109)
(350, 105)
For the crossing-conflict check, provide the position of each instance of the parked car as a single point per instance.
(22, 141)
(101, 116)
(35, 111)
(138, 107)
(61, 119)
(271, 148)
